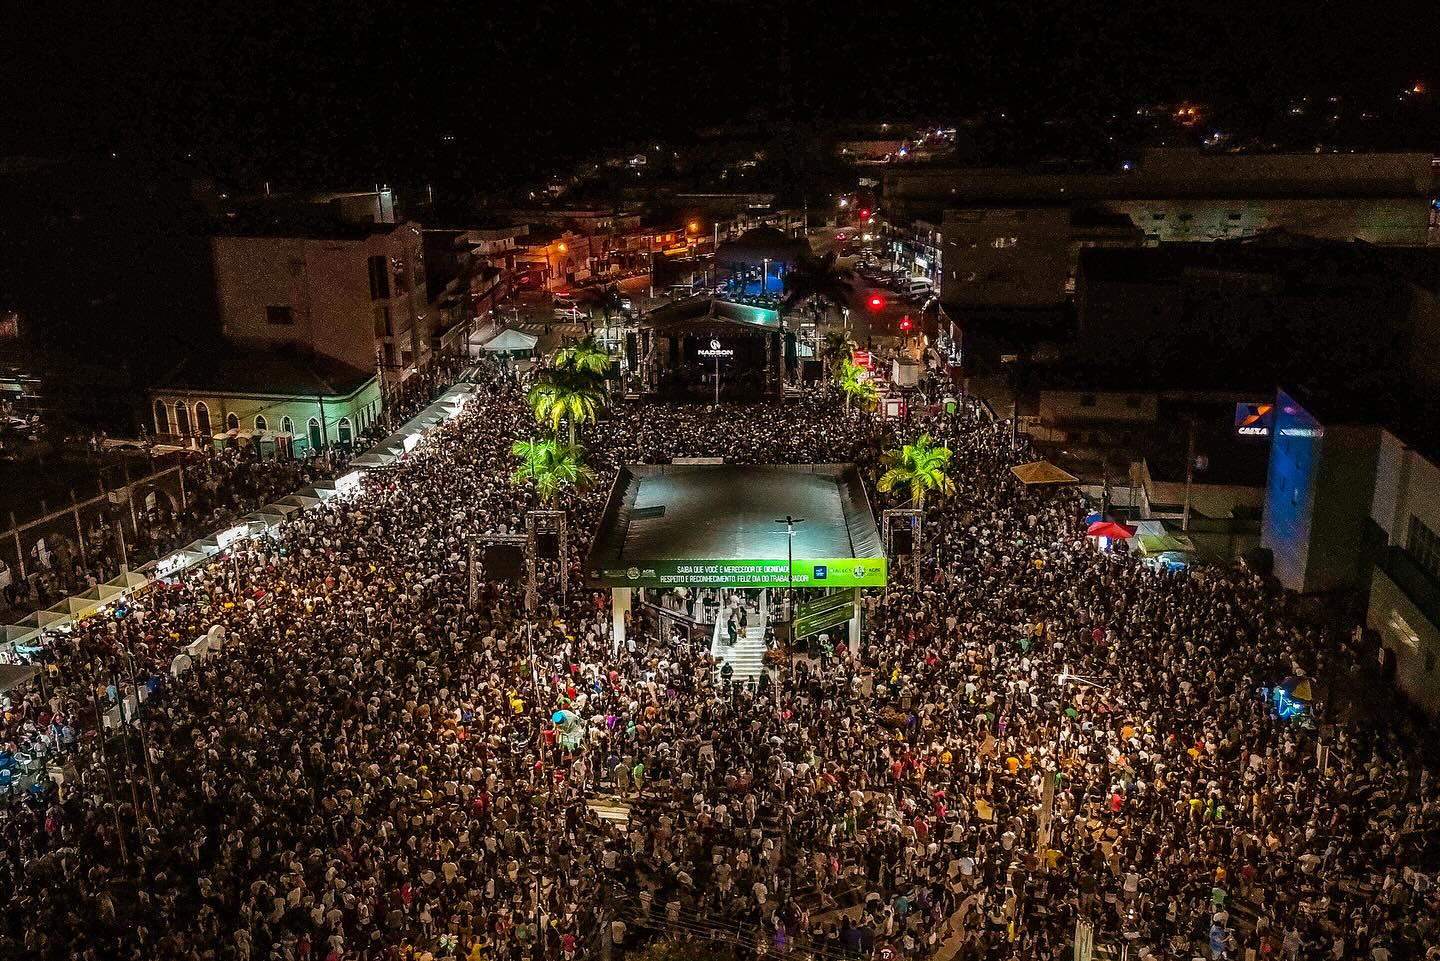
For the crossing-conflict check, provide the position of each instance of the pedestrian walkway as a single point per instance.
(746, 656)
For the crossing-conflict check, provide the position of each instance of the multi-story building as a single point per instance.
(1260, 311)
(469, 272)
(343, 280)
(917, 250)
(1404, 606)
(1006, 234)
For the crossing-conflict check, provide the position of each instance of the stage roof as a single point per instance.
(712, 314)
(716, 524)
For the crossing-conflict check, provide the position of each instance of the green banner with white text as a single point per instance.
(816, 572)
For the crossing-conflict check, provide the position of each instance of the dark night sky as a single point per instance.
(362, 88)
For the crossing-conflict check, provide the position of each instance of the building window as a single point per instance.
(316, 439)
(162, 418)
(1234, 216)
(202, 419)
(405, 358)
(1002, 243)
(342, 432)
(287, 425)
(232, 422)
(260, 422)
(379, 277)
(1087, 400)
(1424, 546)
(279, 315)
(382, 321)
(1157, 216)
(182, 418)
(1132, 402)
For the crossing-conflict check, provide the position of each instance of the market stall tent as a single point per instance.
(15, 674)
(127, 581)
(1042, 472)
(506, 341)
(17, 634)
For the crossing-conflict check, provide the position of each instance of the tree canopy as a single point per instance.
(920, 468)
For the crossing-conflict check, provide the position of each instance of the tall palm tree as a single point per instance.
(856, 385)
(586, 356)
(839, 346)
(919, 468)
(551, 466)
(607, 302)
(566, 394)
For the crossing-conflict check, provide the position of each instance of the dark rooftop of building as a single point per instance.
(240, 371)
(1277, 253)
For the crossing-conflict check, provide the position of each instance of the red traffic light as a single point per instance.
(875, 302)
(905, 322)
(864, 214)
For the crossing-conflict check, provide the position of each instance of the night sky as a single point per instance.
(361, 89)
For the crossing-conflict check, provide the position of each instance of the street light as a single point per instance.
(789, 523)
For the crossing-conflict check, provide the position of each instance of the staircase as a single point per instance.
(747, 657)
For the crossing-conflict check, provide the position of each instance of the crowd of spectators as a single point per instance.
(1041, 733)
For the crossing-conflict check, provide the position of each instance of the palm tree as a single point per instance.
(839, 346)
(818, 278)
(585, 356)
(551, 466)
(856, 385)
(919, 467)
(607, 301)
(566, 394)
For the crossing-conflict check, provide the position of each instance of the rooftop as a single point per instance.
(664, 521)
(254, 372)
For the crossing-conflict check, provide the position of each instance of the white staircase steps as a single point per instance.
(746, 656)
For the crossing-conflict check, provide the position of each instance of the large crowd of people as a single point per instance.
(371, 768)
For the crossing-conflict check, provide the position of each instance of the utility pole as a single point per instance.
(789, 523)
(1189, 473)
(144, 740)
(105, 766)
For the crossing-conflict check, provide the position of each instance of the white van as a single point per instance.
(917, 285)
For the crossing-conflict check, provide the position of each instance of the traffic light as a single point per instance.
(905, 323)
(875, 302)
(865, 214)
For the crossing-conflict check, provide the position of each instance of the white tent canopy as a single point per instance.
(507, 340)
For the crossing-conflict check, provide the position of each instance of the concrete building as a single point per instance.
(1250, 314)
(917, 250)
(267, 403)
(1006, 236)
(469, 273)
(342, 278)
(1023, 256)
(1317, 496)
(1404, 606)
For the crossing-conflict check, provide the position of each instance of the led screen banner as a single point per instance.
(816, 572)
